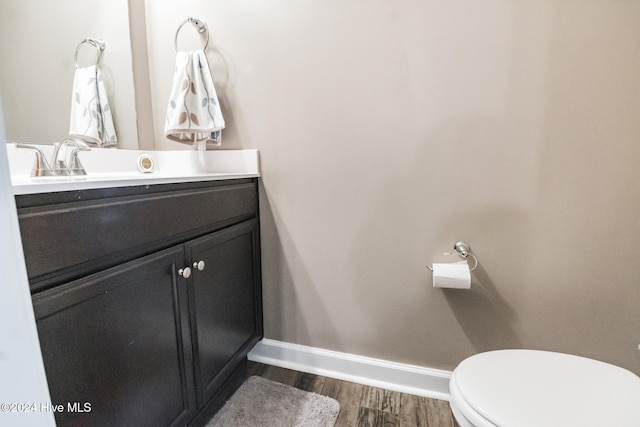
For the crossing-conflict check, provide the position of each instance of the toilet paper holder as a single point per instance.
(464, 250)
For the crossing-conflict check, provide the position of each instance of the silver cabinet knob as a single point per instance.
(199, 265)
(185, 272)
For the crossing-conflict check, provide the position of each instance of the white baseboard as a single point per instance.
(410, 379)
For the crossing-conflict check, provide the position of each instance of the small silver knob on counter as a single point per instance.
(185, 272)
(199, 265)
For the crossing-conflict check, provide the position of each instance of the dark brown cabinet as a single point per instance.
(150, 341)
(223, 298)
(120, 341)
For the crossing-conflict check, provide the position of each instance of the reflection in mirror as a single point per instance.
(37, 68)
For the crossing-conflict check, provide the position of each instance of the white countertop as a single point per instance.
(108, 167)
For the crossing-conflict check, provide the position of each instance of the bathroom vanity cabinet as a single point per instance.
(146, 298)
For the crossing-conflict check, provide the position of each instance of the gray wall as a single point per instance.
(389, 130)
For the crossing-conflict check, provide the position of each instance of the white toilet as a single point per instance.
(523, 388)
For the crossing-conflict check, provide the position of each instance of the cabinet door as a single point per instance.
(119, 341)
(224, 298)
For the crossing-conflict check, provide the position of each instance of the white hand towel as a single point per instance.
(91, 119)
(193, 114)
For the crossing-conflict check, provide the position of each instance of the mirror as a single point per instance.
(39, 41)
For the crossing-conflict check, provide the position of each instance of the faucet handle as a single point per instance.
(40, 165)
(75, 167)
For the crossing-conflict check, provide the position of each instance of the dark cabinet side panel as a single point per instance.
(119, 341)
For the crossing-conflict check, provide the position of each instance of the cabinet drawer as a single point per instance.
(84, 236)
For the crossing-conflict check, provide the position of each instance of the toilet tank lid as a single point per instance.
(534, 388)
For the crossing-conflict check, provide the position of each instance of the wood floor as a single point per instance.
(360, 405)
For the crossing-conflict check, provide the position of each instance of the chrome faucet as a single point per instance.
(64, 161)
(69, 163)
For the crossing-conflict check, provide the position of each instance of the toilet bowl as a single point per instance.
(534, 388)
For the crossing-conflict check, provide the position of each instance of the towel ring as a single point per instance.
(199, 25)
(464, 251)
(98, 44)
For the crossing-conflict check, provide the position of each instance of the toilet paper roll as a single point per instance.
(455, 275)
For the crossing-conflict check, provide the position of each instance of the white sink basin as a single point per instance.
(108, 167)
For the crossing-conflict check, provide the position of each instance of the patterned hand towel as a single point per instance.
(193, 114)
(91, 119)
